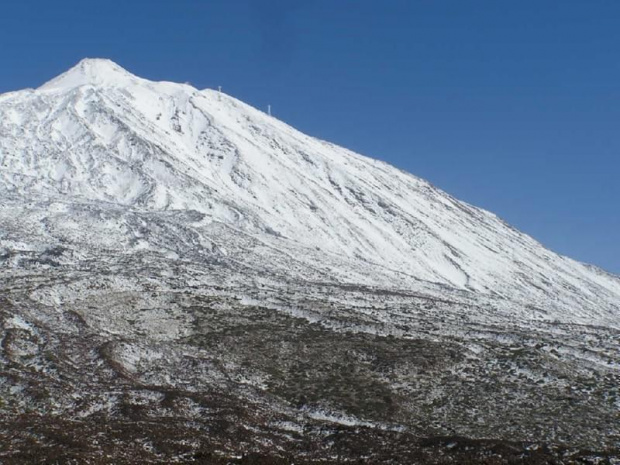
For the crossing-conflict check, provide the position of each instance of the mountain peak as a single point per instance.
(93, 71)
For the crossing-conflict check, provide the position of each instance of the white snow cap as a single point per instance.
(91, 71)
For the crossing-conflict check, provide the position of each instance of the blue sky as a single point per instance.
(511, 106)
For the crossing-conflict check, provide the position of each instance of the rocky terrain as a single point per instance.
(186, 279)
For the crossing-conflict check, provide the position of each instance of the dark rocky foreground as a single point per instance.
(105, 367)
(35, 439)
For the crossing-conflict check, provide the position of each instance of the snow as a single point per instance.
(89, 71)
(98, 135)
(17, 322)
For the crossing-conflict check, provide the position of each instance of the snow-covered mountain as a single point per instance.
(100, 134)
(184, 278)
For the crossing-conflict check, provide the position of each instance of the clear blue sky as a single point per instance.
(512, 106)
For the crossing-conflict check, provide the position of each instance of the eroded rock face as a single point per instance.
(183, 278)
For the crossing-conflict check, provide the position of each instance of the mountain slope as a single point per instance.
(98, 133)
(186, 279)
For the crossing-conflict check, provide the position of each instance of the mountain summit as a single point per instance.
(90, 71)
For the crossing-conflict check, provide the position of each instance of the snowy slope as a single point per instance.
(98, 134)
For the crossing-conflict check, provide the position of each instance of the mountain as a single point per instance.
(185, 249)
